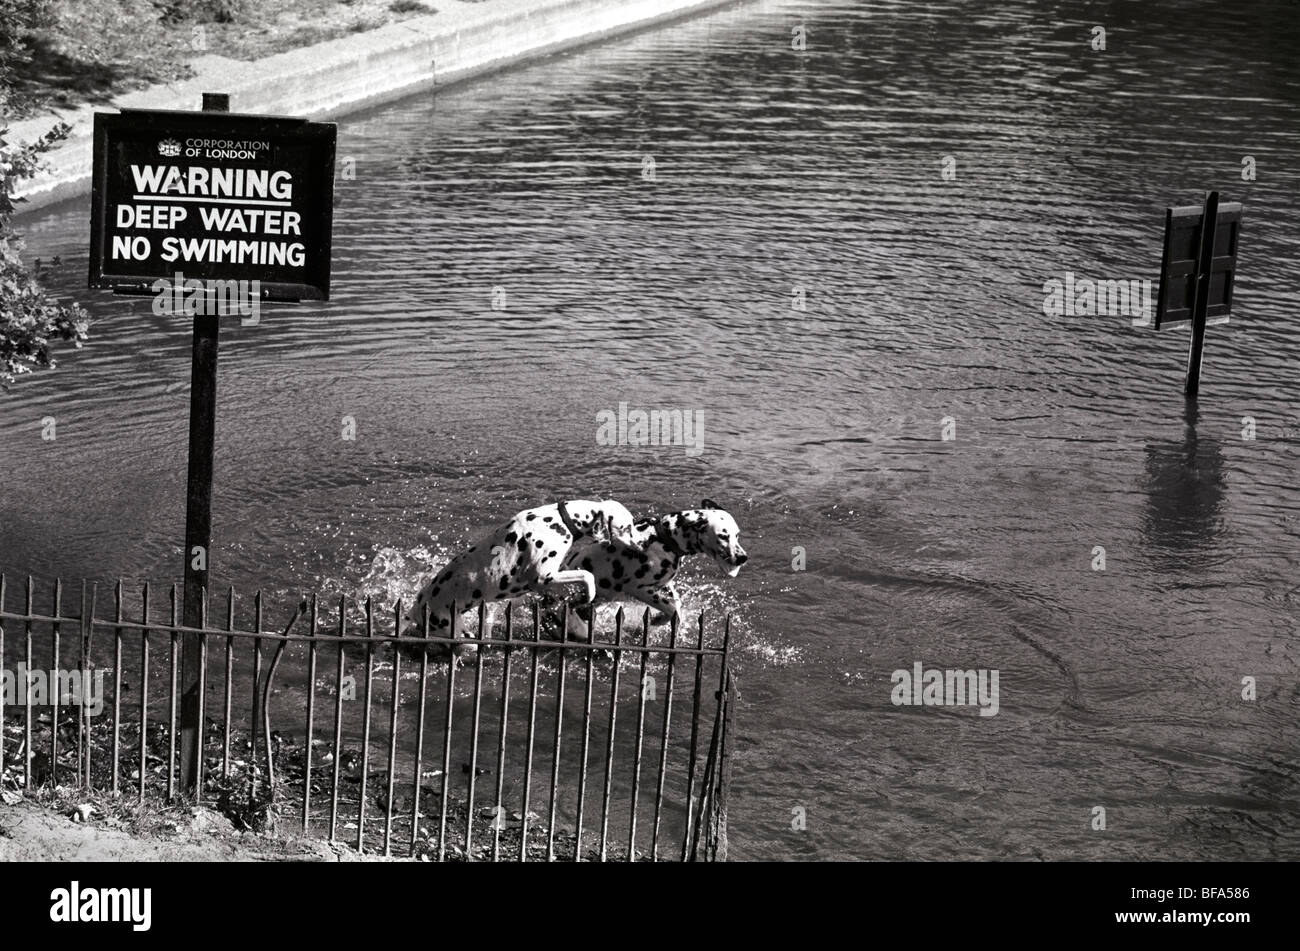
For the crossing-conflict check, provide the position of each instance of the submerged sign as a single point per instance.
(219, 197)
(1182, 267)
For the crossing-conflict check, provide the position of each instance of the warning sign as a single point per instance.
(217, 196)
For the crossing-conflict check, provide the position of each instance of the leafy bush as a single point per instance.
(29, 318)
(17, 19)
(202, 11)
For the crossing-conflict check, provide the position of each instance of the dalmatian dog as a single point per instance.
(528, 554)
(643, 567)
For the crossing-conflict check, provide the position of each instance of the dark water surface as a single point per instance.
(1118, 688)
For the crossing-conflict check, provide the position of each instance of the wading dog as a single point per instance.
(642, 568)
(525, 555)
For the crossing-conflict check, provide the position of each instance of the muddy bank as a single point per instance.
(53, 831)
(245, 812)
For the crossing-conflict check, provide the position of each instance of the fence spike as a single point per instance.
(144, 688)
(27, 692)
(173, 660)
(199, 741)
(54, 700)
(609, 743)
(695, 733)
(663, 741)
(395, 700)
(257, 679)
(473, 742)
(338, 715)
(586, 733)
(497, 818)
(640, 739)
(230, 669)
(311, 716)
(532, 730)
(117, 687)
(365, 726)
(559, 731)
(419, 729)
(446, 740)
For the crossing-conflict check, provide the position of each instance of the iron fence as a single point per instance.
(477, 701)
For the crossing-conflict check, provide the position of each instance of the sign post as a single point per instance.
(1209, 225)
(198, 515)
(212, 213)
(1196, 274)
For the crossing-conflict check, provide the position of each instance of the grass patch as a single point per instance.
(91, 51)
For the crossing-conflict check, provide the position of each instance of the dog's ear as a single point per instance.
(709, 504)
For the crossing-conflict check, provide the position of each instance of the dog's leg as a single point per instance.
(663, 600)
(580, 616)
(583, 612)
(576, 576)
(668, 594)
(490, 619)
(446, 623)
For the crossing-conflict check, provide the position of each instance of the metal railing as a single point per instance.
(130, 746)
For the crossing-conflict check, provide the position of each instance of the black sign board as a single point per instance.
(1181, 263)
(215, 196)
(1197, 271)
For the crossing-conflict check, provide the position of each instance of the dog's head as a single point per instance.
(710, 530)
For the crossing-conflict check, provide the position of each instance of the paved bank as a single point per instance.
(334, 78)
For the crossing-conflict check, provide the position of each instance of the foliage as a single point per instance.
(30, 319)
(202, 11)
(18, 18)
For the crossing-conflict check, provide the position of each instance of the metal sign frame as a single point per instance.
(1180, 265)
(284, 135)
(1198, 269)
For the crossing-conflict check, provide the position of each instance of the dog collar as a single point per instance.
(665, 538)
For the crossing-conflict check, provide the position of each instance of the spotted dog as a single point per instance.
(642, 568)
(528, 554)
